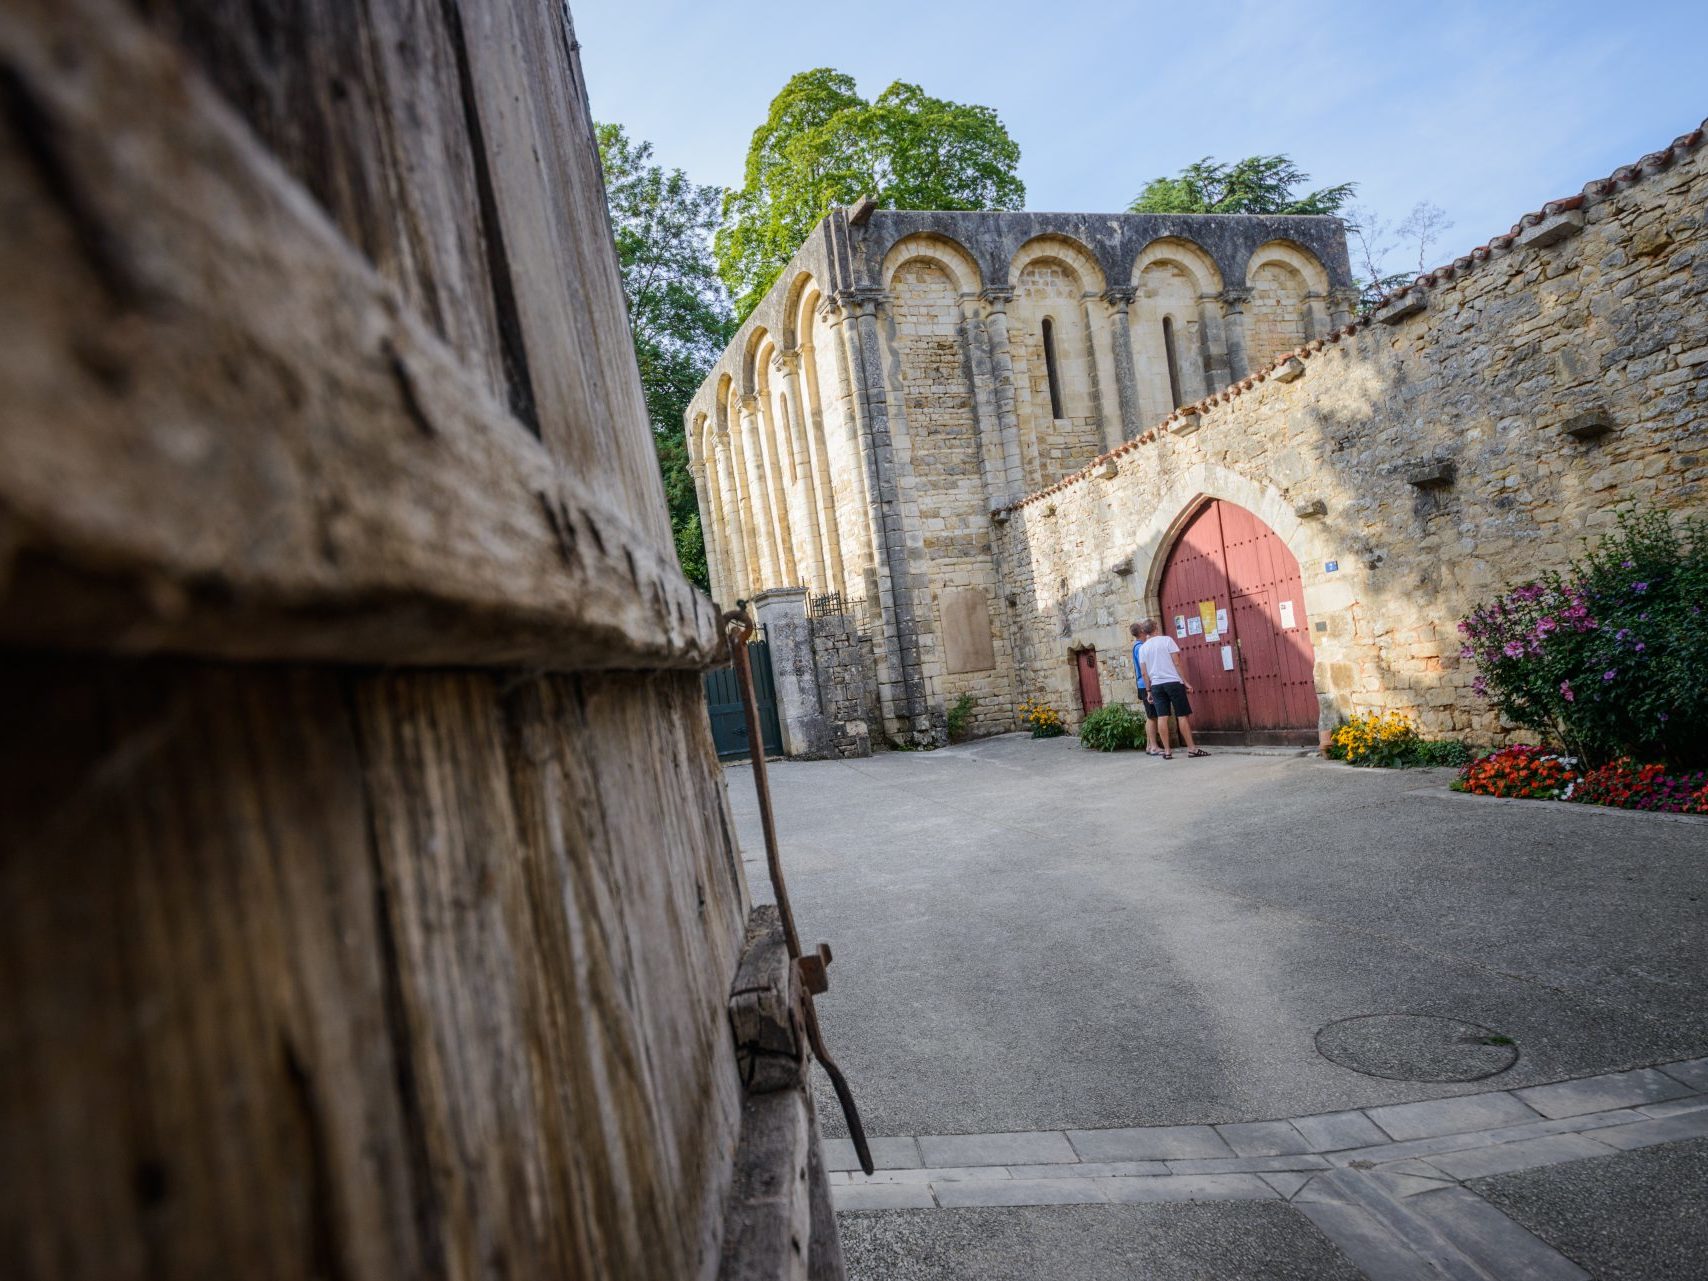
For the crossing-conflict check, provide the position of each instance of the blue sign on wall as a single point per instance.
(1331, 566)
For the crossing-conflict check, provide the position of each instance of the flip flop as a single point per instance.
(1197, 751)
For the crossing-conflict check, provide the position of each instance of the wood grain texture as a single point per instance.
(380, 954)
(323, 973)
(317, 478)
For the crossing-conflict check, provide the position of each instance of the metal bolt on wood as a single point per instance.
(739, 627)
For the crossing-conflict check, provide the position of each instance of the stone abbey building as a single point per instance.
(998, 438)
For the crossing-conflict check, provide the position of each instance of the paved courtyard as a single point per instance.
(1114, 1016)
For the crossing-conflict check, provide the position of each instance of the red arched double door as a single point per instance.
(1233, 600)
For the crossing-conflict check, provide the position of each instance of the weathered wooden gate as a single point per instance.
(370, 898)
(1232, 597)
(729, 718)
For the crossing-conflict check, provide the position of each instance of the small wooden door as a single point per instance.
(1090, 686)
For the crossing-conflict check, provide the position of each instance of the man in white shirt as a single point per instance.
(1166, 688)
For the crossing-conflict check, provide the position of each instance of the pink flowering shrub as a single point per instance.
(1611, 657)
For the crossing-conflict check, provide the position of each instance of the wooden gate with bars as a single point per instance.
(371, 899)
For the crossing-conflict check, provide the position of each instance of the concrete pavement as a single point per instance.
(1033, 938)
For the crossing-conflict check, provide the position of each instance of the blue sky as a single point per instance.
(1486, 110)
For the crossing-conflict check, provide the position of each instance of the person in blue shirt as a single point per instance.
(1151, 748)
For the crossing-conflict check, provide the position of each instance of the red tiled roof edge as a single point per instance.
(1593, 193)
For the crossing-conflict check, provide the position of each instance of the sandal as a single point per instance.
(1168, 756)
(1197, 751)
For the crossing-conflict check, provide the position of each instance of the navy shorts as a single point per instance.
(1170, 696)
(1145, 699)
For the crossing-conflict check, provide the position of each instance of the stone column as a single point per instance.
(1120, 300)
(818, 453)
(1316, 311)
(776, 472)
(906, 702)
(767, 572)
(708, 528)
(737, 581)
(782, 613)
(996, 300)
(1233, 303)
(975, 350)
(1342, 306)
(803, 495)
(1212, 348)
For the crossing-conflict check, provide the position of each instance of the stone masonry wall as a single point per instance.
(949, 487)
(847, 683)
(1473, 382)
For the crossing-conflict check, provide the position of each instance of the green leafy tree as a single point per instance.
(1255, 185)
(824, 145)
(679, 315)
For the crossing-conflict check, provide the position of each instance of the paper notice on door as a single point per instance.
(1287, 613)
(1207, 614)
(1180, 627)
(1221, 620)
(1227, 658)
(1195, 626)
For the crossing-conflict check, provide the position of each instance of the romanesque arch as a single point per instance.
(1176, 325)
(1289, 300)
(1051, 335)
(1222, 538)
(945, 254)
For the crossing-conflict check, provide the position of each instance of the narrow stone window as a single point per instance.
(1173, 361)
(1050, 368)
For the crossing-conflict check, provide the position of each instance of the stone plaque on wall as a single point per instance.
(967, 645)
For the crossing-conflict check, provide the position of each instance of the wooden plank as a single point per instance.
(362, 102)
(318, 478)
(764, 1015)
(197, 1076)
(549, 198)
(315, 973)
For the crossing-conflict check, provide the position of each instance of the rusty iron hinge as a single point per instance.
(815, 980)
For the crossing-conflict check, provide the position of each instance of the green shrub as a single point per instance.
(1608, 657)
(1441, 752)
(958, 716)
(1113, 727)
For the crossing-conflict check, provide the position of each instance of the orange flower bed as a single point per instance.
(1536, 773)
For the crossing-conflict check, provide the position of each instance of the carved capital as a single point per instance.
(997, 297)
(786, 362)
(1235, 297)
(1120, 297)
(749, 403)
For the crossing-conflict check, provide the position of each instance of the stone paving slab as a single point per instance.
(1504, 1158)
(887, 1154)
(1691, 1125)
(1334, 1130)
(1286, 1184)
(1264, 1138)
(1601, 1093)
(1189, 1187)
(1451, 1116)
(1149, 1143)
(882, 1196)
(1092, 1170)
(1488, 1238)
(1036, 1147)
(1693, 1073)
(1021, 1192)
(1249, 1164)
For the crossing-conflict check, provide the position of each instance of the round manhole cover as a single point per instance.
(1416, 1047)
